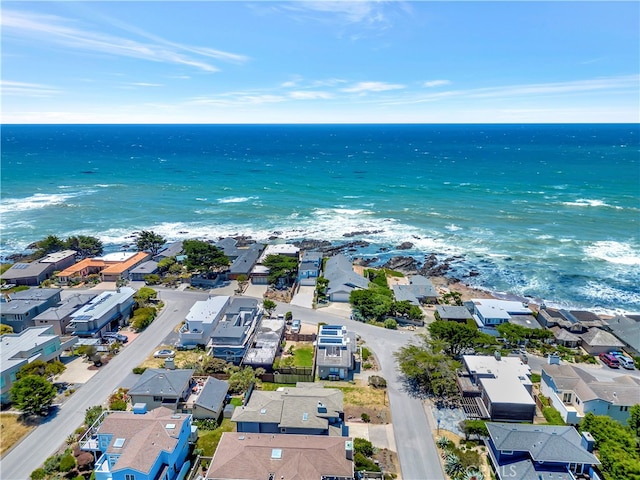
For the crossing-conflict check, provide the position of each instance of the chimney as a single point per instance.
(587, 442)
(497, 355)
(348, 449)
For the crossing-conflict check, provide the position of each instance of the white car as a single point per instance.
(164, 354)
(295, 326)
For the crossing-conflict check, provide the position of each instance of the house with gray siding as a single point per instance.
(342, 279)
(147, 268)
(104, 313)
(59, 316)
(419, 290)
(625, 328)
(307, 409)
(335, 348)
(162, 387)
(596, 341)
(36, 272)
(234, 332)
(535, 452)
(19, 309)
(574, 392)
(266, 344)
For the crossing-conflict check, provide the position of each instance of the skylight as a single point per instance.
(276, 453)
(118, 443)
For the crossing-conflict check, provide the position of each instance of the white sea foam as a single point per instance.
(585, 202)
(235, 199)
(453, 227)
(34, 202)
(614, 252)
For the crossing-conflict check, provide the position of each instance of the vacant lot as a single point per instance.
(12, 431)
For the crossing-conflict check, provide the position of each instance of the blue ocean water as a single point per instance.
(545, 211)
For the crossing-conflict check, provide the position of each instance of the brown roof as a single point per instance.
(244, 456)
(145, 436)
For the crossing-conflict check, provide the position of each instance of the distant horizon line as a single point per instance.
(318, 123)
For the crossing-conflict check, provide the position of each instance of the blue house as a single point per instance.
(534, 452)
(309, 268)
(141, 445)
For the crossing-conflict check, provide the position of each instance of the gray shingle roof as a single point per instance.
(544, 443)
(213, 394)
(598, 337)
(161, 382)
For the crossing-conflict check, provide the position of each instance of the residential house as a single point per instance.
(250, 456)
(245, 262)
(286, 249)
(19, 349)
(161, 387)
(307, 409)
(111, 267)
(138, 273)
(626, 328)
(335, 347)
(266, 344)
(453, 313)
(574, 321)
(488, 313)
(342, 279)
(59, 316)
(574, 392)
(500, 387)
(596, 341)
(310, 268)
(232, 335)
(565, 337)
(202, 319)
(19, 309)
(141, 445)
(534, 452)
(103, 313)
(172, 249)
(420, 290)
(34, 273)
(208, 398)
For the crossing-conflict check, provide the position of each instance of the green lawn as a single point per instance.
(303, 356)
(208, 439)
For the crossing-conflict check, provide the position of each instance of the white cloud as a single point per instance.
(310, 95)
(25, 89)
(143, 84)
(365, 87)
(435, 83)
(61, 31)
(350, 11)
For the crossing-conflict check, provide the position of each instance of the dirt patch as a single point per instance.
(377, 415)
(388, 461)
(12, 431)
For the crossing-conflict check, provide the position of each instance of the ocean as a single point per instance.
(548, 212)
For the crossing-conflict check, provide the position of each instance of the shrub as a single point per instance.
(553, 416)
(119, 405)
(367, 366)
(52, 464)
(67, 463)
(363, 446)
(366, 353)
(91, 414)
(365, 417)
(139, 370)
(38, 474)
(391, 324)
(364, 463)
(377, 382)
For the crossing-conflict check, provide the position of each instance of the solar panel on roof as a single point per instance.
(21, 266)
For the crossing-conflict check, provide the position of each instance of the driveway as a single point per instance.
(304, 297)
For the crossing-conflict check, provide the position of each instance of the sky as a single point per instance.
(320, 62)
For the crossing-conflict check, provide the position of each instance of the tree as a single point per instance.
(240, 380)
(67, 463)
(281, 266)
(457, 336)
(391, 324)
(634, 420)
(203, 256)
(214, 365)
(143, 295)
(91, 414)
(86, 246)
(47, 245)
(166, 263)
(147, 240)
(372, 303)
(42, 369)
(474, 427)
(269, 306)
(32, 395)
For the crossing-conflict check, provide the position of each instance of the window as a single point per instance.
(129, 476)
(566, 397)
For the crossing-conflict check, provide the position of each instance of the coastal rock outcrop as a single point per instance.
(405, 246)
(406, 265)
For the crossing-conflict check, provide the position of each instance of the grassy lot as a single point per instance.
(183, 357)
(361, 395)
(12, 431)
(303, 356)
(272, 387)
(208, 439)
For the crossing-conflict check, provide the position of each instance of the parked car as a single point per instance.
(623, 360)
(609, 360)
(117, 336)
(295, 326)
(164, 354)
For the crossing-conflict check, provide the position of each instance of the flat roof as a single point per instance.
(504, 389)
(16, 345)
(208, 310)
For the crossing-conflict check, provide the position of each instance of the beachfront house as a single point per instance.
(419, 290)
(574, 392)
(596, 341)
(625, 328)
(488, 313)
(527, 452)
(19, 309)
(307, 409)
(111, 267)
(250, 456)
(310, 268)
(19, 349)
(141, 444)
(34, 273)
(342, 279)
(453, 313)
(335, 348)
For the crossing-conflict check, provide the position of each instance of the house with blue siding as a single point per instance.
(141, 445)
(534, 452)
(19, 309)
(309, 268)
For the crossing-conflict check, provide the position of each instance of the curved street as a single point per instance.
(417, 453)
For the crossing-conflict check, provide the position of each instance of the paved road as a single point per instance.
(417, 452)
(45, 440)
